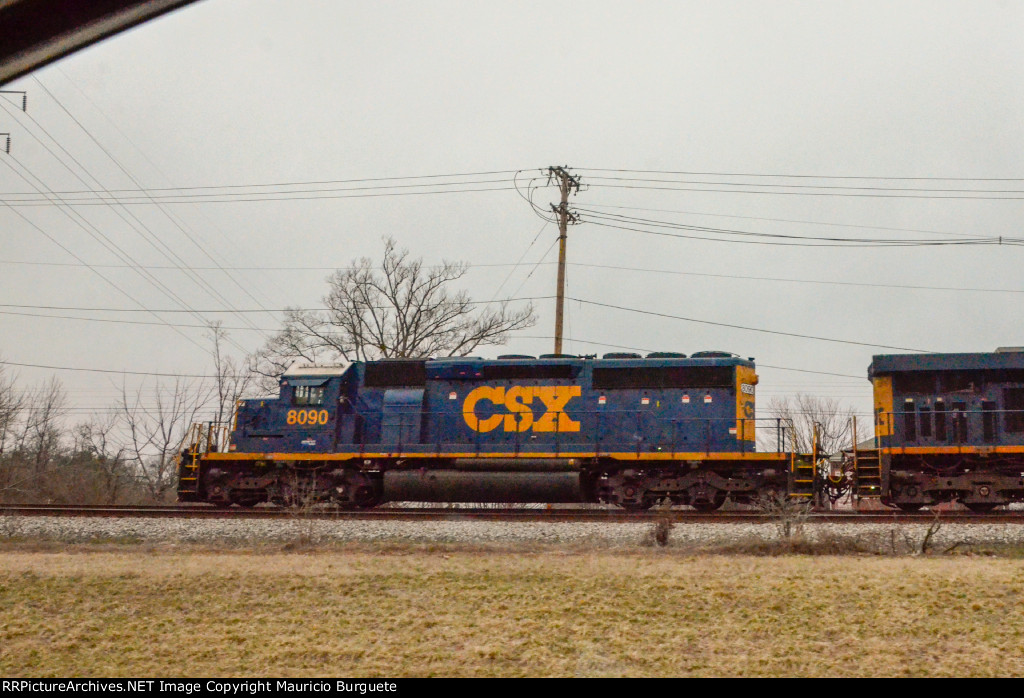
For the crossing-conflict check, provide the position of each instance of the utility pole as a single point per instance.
(566, 183)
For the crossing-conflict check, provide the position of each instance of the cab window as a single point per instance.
(309, 395)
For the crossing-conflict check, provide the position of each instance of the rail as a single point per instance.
(592, 513)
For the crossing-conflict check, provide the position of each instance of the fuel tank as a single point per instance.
(471, 486)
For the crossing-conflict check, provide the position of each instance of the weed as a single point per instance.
(305, 502)
(912, 545)
(788, 514)
(929, 534)
(801, 545)
(663, 525)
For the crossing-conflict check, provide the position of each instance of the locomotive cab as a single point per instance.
(950, 427)
(304, 418)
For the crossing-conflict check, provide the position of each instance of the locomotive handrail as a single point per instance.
(950, 427)
(402, 431)
(206, 437)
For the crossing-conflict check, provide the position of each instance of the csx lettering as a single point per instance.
(518, 401)
(310, 417)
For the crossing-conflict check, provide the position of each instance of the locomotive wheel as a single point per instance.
(712, 504)
(981, 508)
(909, 506)
(642, 505)
(366, 497)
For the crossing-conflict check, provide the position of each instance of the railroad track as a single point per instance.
(561, 514)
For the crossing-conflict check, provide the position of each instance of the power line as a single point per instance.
(103, 370)
(791, 244)
(139, 191)
(806, 193)
(534, 269)
(249, 197)
(183, 194)
(640, 349)
(744, 277)
(164, 323)
(806, 186)
(169, 253)
(301, 183)
(646, 270)
(108, 244)
(746, 233)
(805, 176)
(627, 223)
(742, 327)
(518, 262)
(223, 310)
(208, 221)
(787, 220)
(106, 280)
(152, 193)
(263, 330)
(531, 189)
(134, 322)
(198, 375)
(86, 225)
(253, 268)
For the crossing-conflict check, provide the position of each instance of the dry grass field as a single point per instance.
(451, 612)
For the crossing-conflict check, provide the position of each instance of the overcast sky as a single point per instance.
(891, 121)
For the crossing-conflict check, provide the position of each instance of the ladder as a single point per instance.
(867, 475)
(199, 440)
(802, 477)
(867, 471)
(188, 461)
(803, 472)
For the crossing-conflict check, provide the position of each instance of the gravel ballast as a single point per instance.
(239, 531)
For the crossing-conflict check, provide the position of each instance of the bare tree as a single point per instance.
(397, 310)
(13, 478)
(97, 451)
(42, 426)
(156, 429)
(232, 380)
(130, 454)
(10, 409)
(36, 447)
(800, 413)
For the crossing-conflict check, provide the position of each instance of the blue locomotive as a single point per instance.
(621, 429)
(949, 427)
